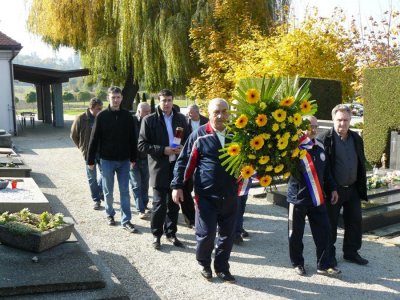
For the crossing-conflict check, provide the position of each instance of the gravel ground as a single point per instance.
(261, 265)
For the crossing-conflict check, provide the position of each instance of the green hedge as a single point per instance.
(381, 92)
(328, 94)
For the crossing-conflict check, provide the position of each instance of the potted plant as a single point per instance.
(33, 232)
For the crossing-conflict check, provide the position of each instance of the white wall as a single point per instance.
(6, 86)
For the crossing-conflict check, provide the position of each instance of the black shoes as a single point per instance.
(96, 205)
(110, 220)
(238, 240)
(300, 270)
(356, 258)
(174, 240)
(245, 234)
(156, 243)
(206, 273)
(226, 277)
(128, 226)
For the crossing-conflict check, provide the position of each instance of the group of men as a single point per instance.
(173, 155)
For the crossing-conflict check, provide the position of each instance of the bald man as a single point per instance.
(215, 191)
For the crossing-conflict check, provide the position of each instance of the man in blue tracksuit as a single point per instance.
(306, 197)
(215, 190)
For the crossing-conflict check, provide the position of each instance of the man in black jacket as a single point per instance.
(113, 136)
(345, 149)
(195, 120)
(159, 139)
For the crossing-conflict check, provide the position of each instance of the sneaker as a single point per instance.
(110, 220)
(96, 205)
(226, 277)
(329, 272)
(300, 270)
(356, 258)
(129, 227)
(142, 216)
(245, 234)
(206, 273)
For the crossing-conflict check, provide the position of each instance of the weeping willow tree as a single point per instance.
(127, 42)
(123, 42)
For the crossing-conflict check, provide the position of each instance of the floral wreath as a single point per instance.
(267, 119)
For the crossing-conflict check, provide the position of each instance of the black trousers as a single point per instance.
(187, 206)
(164, 215)
(320, 229)
(351, 203)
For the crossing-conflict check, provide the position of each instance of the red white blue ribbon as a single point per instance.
(310, 174)
(245, 184)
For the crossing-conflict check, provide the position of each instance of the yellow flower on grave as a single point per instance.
(286, 175)
(295, 152)
(261, 120)
(251, 156)
(257, 142)
(303, 154)
(269, 168)
(288, 101)
(275, 127)
(263, 106)
(279, 115)
(305, 106)
(279, 168)
(282, 143)
(263, 159)
(297, 120)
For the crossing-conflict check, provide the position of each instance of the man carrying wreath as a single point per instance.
(215, 190)
(306, 197)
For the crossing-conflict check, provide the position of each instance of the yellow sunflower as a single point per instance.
(265, 136)
(290, 119)
(265, 180)
(278, 168)
(288, 101)
(261, 120)
(294, 138)
(257, 142)
(305, 106)
(263, 105)
(234, 150)
(275, 127)
(279, 115)
(251, 156)
(297, 120)
(252, 96)
(282, 143)
(263, 159)
(286, 175)
(241, 122)
(247, 172)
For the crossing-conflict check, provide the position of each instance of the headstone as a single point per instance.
(5, 139)
(394, 158)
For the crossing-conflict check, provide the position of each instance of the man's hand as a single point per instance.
(169, 151)
(335, 197)
(178, 149)
(177, 196)
(91, 167)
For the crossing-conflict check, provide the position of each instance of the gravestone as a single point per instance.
(5, 139)
(394, 159)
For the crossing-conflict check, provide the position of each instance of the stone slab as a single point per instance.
(26, 195)
(17, 171)
(64, 268)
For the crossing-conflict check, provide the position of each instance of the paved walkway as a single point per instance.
(130, 265)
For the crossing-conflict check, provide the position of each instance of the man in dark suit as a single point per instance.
(195, 120)
(159, 140)
(345, 149)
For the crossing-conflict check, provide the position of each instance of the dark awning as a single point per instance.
(37, 75)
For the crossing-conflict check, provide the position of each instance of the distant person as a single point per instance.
(80, 134)
(139, 174)
(113, 136)
(215, 190)
(159, 139)
(195, 120)
(307, 197)
(345, 149)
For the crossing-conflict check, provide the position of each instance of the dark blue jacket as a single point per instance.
(200, 156)
(298, 192)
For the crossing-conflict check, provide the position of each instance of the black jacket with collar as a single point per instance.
(153, 138)
(329, 143)
(203, 121)
(113, 135)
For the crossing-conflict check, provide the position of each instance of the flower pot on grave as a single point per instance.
(36, 241)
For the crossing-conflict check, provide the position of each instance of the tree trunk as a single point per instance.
(130, 90)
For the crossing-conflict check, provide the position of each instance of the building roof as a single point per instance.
(38, 75)
(7, 43)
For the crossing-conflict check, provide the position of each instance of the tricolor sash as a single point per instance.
(245, 184)
(310, 174)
